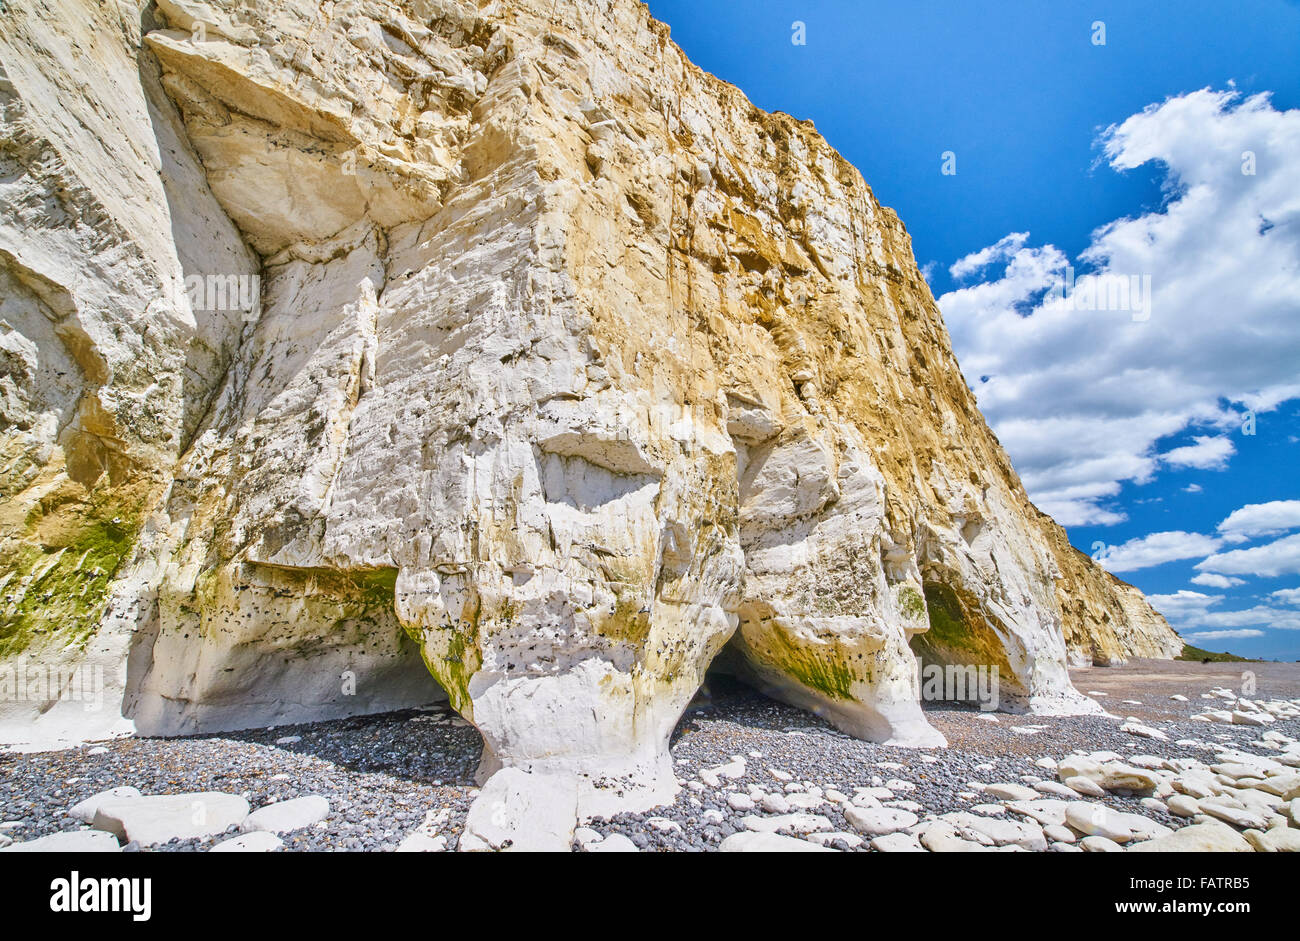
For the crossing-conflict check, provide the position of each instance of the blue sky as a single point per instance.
(1123, 160)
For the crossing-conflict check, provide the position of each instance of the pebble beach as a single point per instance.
(754, 774)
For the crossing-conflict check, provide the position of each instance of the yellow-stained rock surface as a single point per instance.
(555, 367)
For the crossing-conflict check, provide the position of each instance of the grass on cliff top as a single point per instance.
(1199, 655)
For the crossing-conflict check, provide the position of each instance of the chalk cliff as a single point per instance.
(346, 343)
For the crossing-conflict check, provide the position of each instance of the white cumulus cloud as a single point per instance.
(1210, 580)
(1183, 605)
(1287, 595)
(1207, 453)
(1193, 609)
(1156, 549)
(1002, 250)
(1083, 398)
(1260, 615)
(1281, 557)
(1223, 635)
(1261, 519)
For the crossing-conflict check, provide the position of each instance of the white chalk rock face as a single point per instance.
(129, 307)
(567, 368)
